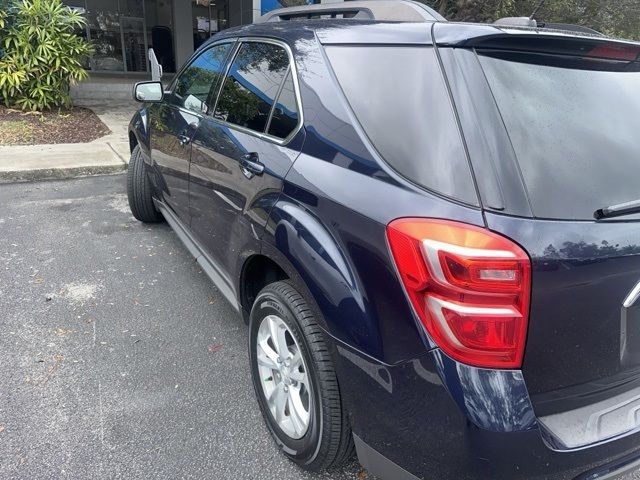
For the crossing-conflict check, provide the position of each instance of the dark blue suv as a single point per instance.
(430, 228)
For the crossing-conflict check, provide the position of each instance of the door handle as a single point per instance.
(250, 165)
(183, 139)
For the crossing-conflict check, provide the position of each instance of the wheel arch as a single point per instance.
(257, 272)
(139, 133)
(314, 261)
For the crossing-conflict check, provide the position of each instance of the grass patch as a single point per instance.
(13, 132)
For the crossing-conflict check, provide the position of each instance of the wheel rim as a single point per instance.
(284, 376)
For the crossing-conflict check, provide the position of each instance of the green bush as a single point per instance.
(41, 54)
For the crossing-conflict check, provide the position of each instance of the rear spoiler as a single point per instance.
(536, 40)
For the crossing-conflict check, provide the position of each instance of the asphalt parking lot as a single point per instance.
(119, 357)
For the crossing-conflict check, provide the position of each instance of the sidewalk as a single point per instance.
(109, 154)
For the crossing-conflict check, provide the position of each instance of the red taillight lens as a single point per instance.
(469, 286)
(616, 52)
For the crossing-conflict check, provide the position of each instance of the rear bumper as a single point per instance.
(378, 464)
(384, 468)
(431, 418)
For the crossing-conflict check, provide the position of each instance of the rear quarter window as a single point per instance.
(399, 97)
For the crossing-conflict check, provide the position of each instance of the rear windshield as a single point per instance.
(575, 128)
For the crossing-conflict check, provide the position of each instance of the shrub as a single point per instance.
(41, 54)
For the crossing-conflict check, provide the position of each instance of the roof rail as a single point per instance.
(390, 10)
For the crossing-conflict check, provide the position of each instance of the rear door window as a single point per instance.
(285, 111)
(252, 85)
(399, 96)
(574, 124)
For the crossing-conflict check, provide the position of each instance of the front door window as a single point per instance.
(198, 83)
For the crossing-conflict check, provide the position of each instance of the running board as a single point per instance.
(209, 266)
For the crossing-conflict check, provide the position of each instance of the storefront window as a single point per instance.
(105, 35)
(135, 46)
(209, 17)
(131, 8)
(122, 31)
(268, 5)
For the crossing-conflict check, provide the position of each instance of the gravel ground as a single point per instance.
(119, 358)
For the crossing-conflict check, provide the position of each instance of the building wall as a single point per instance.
(182, 22)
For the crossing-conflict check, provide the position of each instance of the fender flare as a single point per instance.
(318, 266)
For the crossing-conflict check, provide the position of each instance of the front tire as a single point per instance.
(139, 190)
(295, 380)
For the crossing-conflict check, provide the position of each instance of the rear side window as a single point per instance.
(252, 84)
(575, 127)
(399, 96)
(285, 112)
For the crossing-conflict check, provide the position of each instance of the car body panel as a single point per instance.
(422, 423)
(139, 133)
(584, 341)
(171, 130)
(320, 212)
(227, 207)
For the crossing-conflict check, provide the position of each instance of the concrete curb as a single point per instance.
(104, 156)
(28, 163)
(59, 173)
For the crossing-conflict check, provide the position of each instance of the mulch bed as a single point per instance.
(76, 125)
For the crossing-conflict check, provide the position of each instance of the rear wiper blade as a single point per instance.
(627, 208)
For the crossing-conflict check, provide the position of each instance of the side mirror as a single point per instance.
(148, 92)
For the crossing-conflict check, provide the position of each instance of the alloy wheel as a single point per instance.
(284, 376)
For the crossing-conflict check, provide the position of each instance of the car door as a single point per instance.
(176, 119)
(243, 151)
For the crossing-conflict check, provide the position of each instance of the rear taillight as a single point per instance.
(469, 286)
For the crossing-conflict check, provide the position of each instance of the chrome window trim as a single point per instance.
(296, 86)
(232, 58)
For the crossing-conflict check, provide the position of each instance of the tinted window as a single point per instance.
(575, 130)
(252, 84)
(285, 113)
(198, 80)
(400, 99)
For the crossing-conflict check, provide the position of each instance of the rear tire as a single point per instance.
(139, 190)
(326, 441)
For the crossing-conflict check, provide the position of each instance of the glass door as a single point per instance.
(134, 39)
(105, 35)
